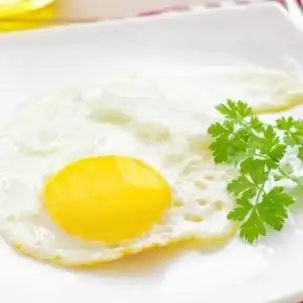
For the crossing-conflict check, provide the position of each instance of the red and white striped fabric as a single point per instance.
(207, 4)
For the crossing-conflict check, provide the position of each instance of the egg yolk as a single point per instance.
(108, 198)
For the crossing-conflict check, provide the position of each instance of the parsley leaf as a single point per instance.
(239, 213)
(255, 169)
(234, 110)
(273, 207)
(242, 187)
(257, 149)
(253, 227)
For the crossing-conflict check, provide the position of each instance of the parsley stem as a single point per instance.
(261, 191)
(290, 177)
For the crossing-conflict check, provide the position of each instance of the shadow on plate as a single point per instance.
(153, 262)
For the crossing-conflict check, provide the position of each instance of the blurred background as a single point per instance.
(27, 14)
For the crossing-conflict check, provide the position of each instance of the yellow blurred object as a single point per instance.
(25, 14)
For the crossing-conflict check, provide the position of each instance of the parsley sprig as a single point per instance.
(257, 149)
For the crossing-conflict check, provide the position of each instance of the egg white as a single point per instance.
(161, 120)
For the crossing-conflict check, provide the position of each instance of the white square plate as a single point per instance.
(35, 63)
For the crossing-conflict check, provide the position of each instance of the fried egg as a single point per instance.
(92, 174)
